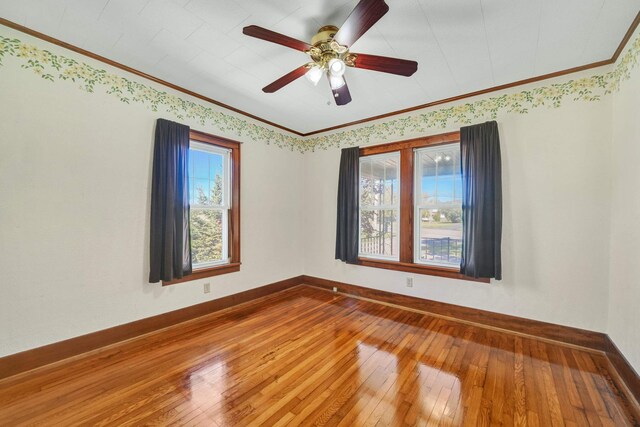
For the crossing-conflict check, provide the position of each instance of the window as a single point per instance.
(209, 204)
(438, 205)
(380, 206)
(411, 206)
(214, 201)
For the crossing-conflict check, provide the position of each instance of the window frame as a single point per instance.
(395, 207)
(417, 206)
(225, 204)
(406, 261)
(232, 194)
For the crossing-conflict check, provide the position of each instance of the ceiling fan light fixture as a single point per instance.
(336, 82)
(314, 74)
(337, 67)
(329, 51)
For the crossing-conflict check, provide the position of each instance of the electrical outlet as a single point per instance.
(207, 288)
(335, 289)
(409, 282)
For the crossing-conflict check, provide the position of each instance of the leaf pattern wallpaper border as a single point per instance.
(591, 88)
(56, 67)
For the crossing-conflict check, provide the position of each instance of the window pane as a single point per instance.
(199, 164)
(440, 236)
(200, 195)
(206, 178)
(445, 189)
(209, 196)
(206, 236)
(379, 183)
(379, 233)
(438, 170)
(438, 206)
(216, 173)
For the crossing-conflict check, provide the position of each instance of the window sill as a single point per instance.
(451, 273)
(207, 272)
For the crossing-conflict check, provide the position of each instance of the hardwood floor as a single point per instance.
(306, 356)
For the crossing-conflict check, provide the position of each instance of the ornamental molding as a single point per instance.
(56, 67)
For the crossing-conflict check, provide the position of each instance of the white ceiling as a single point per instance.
(461, 46)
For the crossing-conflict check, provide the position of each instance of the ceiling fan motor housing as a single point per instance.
(325, 48)
(324, 35)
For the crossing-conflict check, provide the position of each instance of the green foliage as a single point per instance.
(452, 215)
(216, 191)
(206, 226)
(370, 219)
(367, 218)
(206, 235)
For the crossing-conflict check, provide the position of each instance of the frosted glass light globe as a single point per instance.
(337, 67)
(314, 75)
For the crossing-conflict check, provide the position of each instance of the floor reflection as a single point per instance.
(406, 390)
(310, 357)
(208, 384)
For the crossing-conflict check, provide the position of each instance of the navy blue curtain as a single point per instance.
(481, 201)
(348, 198)
(170, 234)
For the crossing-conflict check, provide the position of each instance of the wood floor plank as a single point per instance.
(306, 356)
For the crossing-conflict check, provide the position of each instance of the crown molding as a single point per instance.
(464, 96)
(612, 60)
(626, 38)
(139, 73)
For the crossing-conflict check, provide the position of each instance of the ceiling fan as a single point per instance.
(329, 51)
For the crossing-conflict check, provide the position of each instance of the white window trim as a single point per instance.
(224, 207)
(417, 195)
(395, 206)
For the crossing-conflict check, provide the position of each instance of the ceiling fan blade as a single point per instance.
(286, 79)
(365, 14)
(385, 64)
(272, 36)
(341, 95)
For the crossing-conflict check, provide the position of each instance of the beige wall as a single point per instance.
(624, 270)
(75, 172)
(74, 214)
(556, 233)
